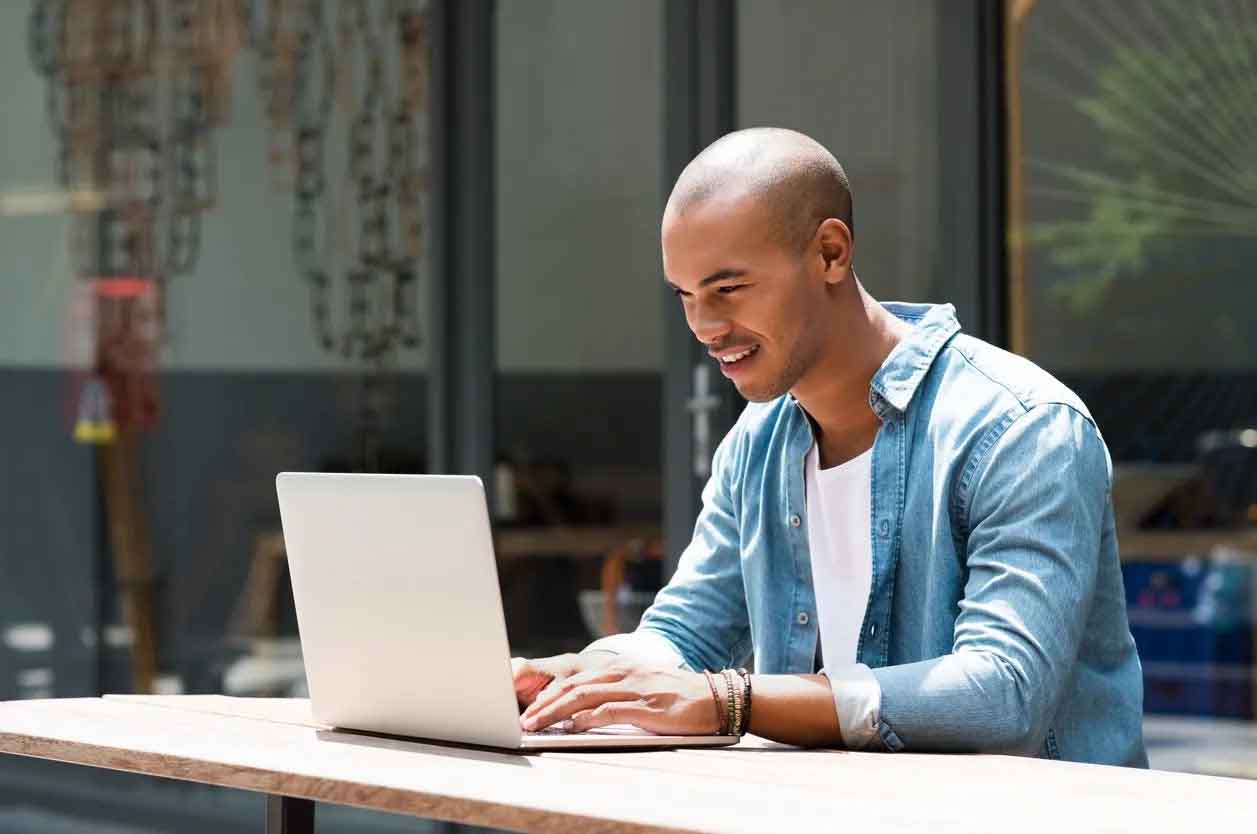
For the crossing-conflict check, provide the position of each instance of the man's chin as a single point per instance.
(758, 393)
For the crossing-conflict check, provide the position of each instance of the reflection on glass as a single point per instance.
(214, 220)
(865, 80)
(1134, 203)
(579, 329)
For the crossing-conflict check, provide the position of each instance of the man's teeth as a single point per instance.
(729, 360)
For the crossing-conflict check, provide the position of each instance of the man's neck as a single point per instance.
(835, 392)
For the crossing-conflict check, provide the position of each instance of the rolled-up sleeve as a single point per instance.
(857, 702)
(1035, 498)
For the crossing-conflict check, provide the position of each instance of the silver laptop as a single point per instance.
(400, 614)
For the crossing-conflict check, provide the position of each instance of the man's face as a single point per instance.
(752, 301)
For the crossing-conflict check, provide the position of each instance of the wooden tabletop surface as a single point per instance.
(273, 746)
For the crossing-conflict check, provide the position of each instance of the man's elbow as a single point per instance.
(1017, 734)
(1021, 721)
(1026, 730)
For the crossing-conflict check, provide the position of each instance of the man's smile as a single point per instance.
(735, 361)
(735, 355)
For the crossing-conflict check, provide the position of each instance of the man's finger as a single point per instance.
(576, 700)
(553, 688)
(529, 680)
(558, 687)
(613, 712)
(532, 676)
(553, 666)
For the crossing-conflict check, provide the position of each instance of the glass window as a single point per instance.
(1134, 209)
(863, 79)
(212, 272)
(213, 255)
(579, 333)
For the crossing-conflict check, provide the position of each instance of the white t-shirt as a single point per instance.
(839, 507)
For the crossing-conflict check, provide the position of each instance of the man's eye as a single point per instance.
(730, 288)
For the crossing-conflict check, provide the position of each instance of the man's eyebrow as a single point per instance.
(719, 275)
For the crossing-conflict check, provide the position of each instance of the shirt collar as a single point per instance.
(897, 380)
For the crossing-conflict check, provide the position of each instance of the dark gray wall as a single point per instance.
(48, 536)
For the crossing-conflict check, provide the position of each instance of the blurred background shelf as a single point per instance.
(1175, 546)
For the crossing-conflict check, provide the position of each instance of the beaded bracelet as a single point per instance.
(746, 708)
(729, 706)
(733, 709)
(715, 699)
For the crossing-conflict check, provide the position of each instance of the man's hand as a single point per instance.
(532, 676)
(665, 701)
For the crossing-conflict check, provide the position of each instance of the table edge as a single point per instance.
(481, 812)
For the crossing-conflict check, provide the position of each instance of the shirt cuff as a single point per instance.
(858, 701)
(642, 645)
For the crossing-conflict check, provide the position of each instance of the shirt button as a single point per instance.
(890, 428)
(873, 630)
(803, 618)
(884, 528)
(795, 521)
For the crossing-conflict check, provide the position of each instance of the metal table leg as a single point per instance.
(289, 815)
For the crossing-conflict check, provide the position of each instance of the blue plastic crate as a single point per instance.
(1193, 624)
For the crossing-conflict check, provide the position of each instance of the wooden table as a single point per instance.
(272, 746)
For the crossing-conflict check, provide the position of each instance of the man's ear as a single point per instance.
(836, 249)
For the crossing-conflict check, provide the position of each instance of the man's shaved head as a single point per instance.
(790, 174)
(757, 245)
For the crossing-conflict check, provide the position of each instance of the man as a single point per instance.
(923, 515)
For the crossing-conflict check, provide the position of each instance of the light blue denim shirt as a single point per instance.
(997, 619)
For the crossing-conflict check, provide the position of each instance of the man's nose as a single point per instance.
(708, 327)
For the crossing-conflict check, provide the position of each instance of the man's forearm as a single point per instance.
(792, 709)
(795, 709)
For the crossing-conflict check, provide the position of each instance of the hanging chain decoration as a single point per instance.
(278, 32)
(386, 78)
(297, 72)
(367, 63)
(136, 89)
(351, 78)
(136, 92)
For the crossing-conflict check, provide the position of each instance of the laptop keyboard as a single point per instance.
(553, 730)
(562, 729)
